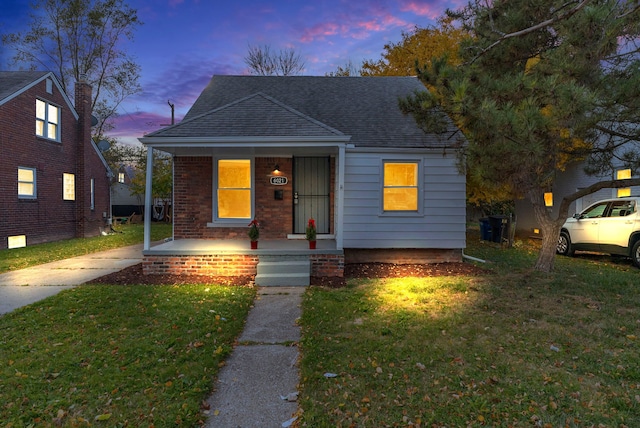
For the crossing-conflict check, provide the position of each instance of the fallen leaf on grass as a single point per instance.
(103, 417)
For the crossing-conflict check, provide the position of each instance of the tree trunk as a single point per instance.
(550, 229)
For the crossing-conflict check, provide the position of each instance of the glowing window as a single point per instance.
(234, 188)
(68, 187)
(623, 174)
(400, 188)
(548, 199)
(26, 183)
(47, 120)
(121, 177)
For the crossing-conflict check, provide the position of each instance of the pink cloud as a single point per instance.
(421, 8)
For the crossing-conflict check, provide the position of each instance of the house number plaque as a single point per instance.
(278, 181)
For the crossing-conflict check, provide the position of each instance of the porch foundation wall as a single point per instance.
(322, 265)
(402, 256)
(214, 265)
(327, 265)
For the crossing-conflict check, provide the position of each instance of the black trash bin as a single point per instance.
(500, 228)
(485, 229)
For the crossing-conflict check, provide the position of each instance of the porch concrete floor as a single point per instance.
(242, 246)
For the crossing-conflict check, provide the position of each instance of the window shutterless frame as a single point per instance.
(27, 183)
(401, 187)
(233, 191)
(47, 120)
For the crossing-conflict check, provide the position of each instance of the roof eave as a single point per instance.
(223, 142)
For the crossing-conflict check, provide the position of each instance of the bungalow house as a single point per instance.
(284, 150)
(55, 182)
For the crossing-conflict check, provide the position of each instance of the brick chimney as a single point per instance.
(83, 191)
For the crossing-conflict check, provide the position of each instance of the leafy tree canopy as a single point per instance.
(417, 47)
(540, 85)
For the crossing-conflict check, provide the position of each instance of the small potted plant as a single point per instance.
(254, 233)
(311, 233)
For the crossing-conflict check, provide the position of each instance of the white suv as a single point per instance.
(609, 226)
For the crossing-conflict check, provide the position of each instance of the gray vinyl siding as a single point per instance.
(441, 223)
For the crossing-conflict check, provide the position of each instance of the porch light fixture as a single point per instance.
(276, 169)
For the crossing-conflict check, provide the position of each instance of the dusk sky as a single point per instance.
(182, 43)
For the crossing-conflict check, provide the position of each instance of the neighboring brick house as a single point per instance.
(55, 182)
(287, 149)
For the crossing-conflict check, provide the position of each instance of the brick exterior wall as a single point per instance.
(231, 265)
(214, 264)
(327, 265)
(193, 200)
(47, 217)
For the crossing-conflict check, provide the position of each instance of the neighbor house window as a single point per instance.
(400, 186)
(548, 199)
(623, 174)
(68, 187)
(234, 189)
(121, 177)
(92, 185)
(26, 183)
(47, 120)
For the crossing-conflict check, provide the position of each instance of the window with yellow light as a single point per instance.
(234, 188)
(623, 174)
(400, 188)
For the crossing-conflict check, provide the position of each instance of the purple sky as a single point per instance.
(184, 42)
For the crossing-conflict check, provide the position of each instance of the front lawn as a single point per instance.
(129, 234)
(117, 356)
(514, 348)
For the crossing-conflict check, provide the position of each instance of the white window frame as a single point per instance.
(46, 120)
(232, 222)
(419, 185)
(33, 195)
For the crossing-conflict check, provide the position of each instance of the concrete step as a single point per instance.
(282, 280)
(283, 271)
(286, 266)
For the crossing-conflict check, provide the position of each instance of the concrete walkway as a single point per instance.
(22, 287)
(257, 387)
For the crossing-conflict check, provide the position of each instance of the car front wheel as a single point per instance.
(564, 245)
(635, 254)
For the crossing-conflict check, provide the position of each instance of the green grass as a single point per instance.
(20, 258)
(117, 356)
(515, 348)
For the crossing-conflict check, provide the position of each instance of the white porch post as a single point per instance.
(148, 200)
(340, 201)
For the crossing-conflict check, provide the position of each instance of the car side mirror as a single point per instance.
(577, 216)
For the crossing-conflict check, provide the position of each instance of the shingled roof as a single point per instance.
(12, 82)
(363, 108)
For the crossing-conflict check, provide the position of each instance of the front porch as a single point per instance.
(236, 258)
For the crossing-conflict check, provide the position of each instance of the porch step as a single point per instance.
(283, 271)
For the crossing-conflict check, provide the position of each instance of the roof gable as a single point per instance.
(257, 115)
(14, 83)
